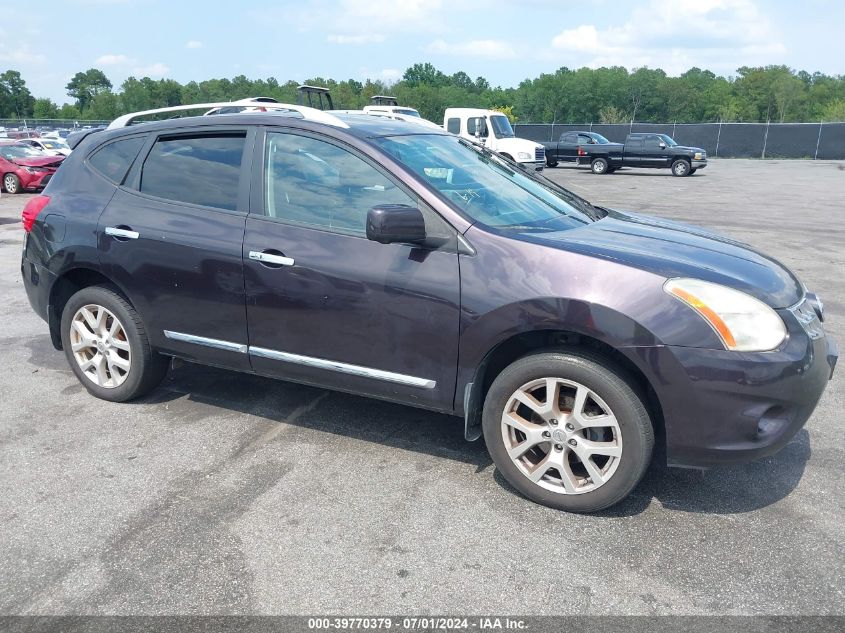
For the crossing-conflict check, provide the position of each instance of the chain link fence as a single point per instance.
(725, 140)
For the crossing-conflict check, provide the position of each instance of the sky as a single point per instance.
(503, 41)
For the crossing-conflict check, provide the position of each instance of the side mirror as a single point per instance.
(662, 145)
(395, 223)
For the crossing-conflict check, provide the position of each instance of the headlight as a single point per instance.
(743, 323)
(34, 170)
(698, 156)
(524, 156)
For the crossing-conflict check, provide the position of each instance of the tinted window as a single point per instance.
(113, 160)
(652, 142)
(583, 139)
(316, 183)
(570, 138)
(200, 170)
(454, 126)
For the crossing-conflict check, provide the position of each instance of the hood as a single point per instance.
(691, 150)
(672, 249)
(517, 145)
(39, 161)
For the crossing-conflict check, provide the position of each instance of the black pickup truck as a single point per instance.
(647, 150)
(565, 150)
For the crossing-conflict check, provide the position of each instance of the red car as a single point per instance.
(25, 167)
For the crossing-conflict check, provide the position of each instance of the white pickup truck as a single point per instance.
(493, 129)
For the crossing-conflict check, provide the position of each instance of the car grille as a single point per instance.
(808, 319)
(540, 153)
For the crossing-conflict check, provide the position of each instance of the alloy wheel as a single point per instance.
(100, 347)
(561, 435)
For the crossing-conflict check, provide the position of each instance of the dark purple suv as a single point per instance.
(386, 259)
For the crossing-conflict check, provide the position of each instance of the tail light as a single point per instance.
(32, 209)
(581, 152)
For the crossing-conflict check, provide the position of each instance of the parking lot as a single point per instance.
(229, 493)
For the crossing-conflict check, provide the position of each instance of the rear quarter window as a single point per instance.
(113, 160)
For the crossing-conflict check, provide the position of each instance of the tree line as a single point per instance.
(606, 95)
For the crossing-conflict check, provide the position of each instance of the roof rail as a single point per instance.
(310, 114)
(384, 100)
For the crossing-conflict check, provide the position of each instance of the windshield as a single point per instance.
(501, 126)
(485, 187)
(670, 142)
(598, 138)
(20, 151)
(408, 111)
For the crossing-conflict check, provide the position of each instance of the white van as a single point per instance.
(494, 130)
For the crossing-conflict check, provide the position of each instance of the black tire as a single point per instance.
(147, 367)
(551, 162)
(599, 166)
(11, 183)
(681, 168)
(613, 386)
(611, 170)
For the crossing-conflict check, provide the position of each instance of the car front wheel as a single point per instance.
(567, 430)
(11, 183)
(107, 346)
(681, 168)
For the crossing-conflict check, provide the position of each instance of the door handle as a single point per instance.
(271, 258)
(126, 234)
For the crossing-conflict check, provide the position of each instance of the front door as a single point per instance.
(327, 306)
(172, 239)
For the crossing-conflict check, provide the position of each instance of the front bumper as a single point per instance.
(533, 165)
(699, 164)
(722, 407)
(34, 181)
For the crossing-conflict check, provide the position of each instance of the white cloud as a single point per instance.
(193, 44)
(153, 70)
(364, 38)
(390, 74)
(110, 59)
(715, 34)
(21, 56)
(489, 49)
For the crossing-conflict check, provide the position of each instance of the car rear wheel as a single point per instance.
(11, 183)
(681, 168)
(551, 162)
(599, 166)
(107, 346)
(567, 430)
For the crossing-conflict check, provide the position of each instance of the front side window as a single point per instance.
(484, 187)
(201, 169)
(315, 183)
(113, 160)
(652, 142)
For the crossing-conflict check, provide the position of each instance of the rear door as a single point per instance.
(326, 305)
(568, 147)
(172, 239)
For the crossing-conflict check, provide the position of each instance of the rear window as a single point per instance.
(113, 160)
(202, 170)
(454, 126)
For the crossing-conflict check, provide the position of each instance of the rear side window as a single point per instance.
(113, 160)
(201, 169)
(453, 126)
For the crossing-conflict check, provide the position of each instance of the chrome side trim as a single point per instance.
(345, 368)
(208, 342)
